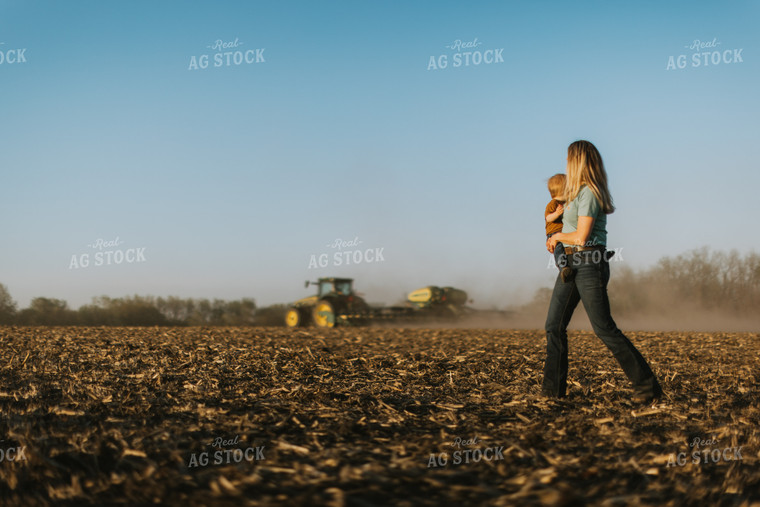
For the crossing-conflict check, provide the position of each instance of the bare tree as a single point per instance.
(7, 306)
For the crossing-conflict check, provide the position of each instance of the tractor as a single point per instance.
(335, 303)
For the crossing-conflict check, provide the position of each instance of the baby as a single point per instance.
(553, 217)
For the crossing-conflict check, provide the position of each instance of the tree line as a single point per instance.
(726, 282)
(139, 311)
(701, 279)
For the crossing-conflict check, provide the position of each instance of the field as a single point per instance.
(370, 416)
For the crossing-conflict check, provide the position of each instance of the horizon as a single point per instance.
(511, 305)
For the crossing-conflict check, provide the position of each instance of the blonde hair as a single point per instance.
(585, 167)
(556, 185)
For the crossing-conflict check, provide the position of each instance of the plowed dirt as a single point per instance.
(370, 417)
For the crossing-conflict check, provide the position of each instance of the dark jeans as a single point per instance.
(560, 259)
(589, 286)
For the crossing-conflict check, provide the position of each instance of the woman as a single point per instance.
(584, 232)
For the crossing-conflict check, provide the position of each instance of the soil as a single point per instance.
(370, 416)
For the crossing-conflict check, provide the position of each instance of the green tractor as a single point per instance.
(335, 303)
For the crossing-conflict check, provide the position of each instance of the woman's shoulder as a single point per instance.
(586, 192)
(588, 201)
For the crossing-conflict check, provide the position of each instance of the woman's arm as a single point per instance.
(579, 237)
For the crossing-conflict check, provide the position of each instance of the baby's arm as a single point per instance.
(551, 217)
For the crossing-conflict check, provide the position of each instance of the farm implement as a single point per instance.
(336, 304)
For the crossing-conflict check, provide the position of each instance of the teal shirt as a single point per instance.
(586, 205)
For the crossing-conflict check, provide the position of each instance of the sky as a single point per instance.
(231, 181)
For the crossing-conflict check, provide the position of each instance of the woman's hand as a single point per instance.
(551, 243)
(579, 237)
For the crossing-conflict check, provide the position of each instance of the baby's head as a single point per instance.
(556, 186)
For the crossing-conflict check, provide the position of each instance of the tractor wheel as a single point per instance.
(294, 318)
(324, 314)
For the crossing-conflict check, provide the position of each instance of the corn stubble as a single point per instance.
(353, 416)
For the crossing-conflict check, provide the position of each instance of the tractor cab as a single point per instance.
(333, 286)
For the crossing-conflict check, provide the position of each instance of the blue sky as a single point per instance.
(230, 178)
